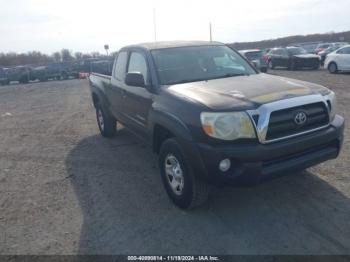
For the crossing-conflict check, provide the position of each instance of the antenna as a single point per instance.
(154, 25)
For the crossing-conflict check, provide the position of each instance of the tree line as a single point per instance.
(290, 40)
(38, 58)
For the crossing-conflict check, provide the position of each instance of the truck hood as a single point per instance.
(243, 92)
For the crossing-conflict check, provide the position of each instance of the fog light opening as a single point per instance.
(225, 165)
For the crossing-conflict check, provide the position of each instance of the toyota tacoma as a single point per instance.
(212, 118)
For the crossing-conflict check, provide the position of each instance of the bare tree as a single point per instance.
(96, 54)
(57, 56)
(78, 55)
(66, 55)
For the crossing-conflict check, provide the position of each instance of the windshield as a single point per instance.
(297, 51)
(189, 64)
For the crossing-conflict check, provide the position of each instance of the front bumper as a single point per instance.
(252, 164)
(306, 62)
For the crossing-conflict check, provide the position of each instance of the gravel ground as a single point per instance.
(66, 190)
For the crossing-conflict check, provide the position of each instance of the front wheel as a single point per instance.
(106, 123)
(64, 75)
(182, 186)
(263, 69)
(332, 68)
(24, 80)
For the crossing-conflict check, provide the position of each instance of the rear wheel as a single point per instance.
(24, 80)
(183, 187)
(106, 123)
(64, 75)
(333, 68)
(292, 66)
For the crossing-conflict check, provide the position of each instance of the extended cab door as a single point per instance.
(116, 90)
(138, 99)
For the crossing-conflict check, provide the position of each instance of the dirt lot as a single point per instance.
(66, 190)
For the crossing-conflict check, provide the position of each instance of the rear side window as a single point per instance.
(345, 50)
(138, 63)
(281, 52)
(254, 55)
(120, 66)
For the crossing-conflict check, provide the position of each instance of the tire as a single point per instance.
(263, 69)
(292, 66)
(24, 80)
(107, 124)
(271, 65)
(64, 75)
(333, 68)
(188, 191)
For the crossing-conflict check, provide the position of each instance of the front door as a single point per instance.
(343, 58)
(116, 90)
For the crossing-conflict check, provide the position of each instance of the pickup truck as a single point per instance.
(21, 74)
(52, 71)
(212, 118)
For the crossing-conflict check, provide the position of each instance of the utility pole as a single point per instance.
(210, 33)
(154, 25)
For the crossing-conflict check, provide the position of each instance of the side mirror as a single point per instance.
(135, 79)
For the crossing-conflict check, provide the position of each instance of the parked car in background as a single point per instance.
(255, 56)
(333, 46)
(292, 58)
(51, 71)
(102, 67)
(85, 64)
(21, 74)
(338, 60)
(308, 46)
(321, 47)
(323, 54)
(3, 77)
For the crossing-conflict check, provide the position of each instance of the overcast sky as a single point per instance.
(82, 25)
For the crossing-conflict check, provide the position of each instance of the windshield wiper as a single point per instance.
(183, 81)
(232, 75)
(207, 79)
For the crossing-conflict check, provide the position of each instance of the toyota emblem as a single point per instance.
(300, 118)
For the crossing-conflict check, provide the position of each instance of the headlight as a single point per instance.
(332, 104)
(227, 126)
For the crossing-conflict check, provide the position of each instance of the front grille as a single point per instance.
(282, 122)
(307, 62)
